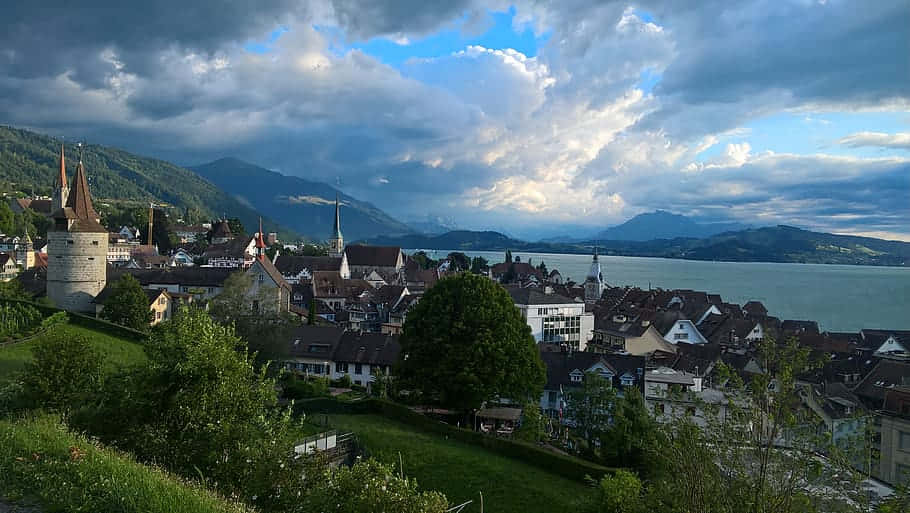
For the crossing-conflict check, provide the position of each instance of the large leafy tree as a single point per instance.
(128, 305)
(465, 343)
(589, 406)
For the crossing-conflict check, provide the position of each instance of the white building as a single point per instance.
(554, 318)
(594, 283)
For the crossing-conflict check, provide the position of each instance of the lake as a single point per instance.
(838, 297)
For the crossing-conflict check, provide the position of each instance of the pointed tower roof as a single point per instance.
(80, 199)
(260, 242)
(60, 181)
(336, 230)
(79, 206)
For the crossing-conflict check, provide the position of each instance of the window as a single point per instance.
(659, 408)
(358, 368)
(70, 241)
(94, 243)
(341, 367)
(903, 440)
(261, 278)
(680, 336)
(576, 377)
(551, 395)
(91, 258)
(158, 315)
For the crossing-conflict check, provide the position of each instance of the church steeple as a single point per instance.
(61, 189)
(594, 283)
(336, 243)
(260, 242)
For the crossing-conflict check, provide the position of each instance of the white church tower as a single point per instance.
(594, 283)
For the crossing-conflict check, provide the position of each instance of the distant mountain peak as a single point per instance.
(662, 224)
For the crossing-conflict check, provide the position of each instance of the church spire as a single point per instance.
(260, 242)
(61, 178)
(336, 230)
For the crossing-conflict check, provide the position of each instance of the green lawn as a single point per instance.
(460, 470)
(117, 352)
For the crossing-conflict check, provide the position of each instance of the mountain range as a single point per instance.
(768, 244)
(304, 206)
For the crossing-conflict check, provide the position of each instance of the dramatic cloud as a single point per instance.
(877, 139)
(618, 108)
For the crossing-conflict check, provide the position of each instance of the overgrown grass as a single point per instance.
(40, 462)
(461, 470)
(117, 352)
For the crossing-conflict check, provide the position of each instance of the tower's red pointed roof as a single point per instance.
(79, 206)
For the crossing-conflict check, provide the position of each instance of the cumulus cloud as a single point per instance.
(877, 139)
(625, 108)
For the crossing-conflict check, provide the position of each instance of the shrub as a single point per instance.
(65, 371)
(342, 382)
(303, 388)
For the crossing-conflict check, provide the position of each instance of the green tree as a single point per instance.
(424, 261)
(64, 371)
(128, 305)
(532, 422)
(542, 267)
(236, 226)
(590, 407)
(631, 434)
(6, 218)
(460, 261)
(619, 492)
(367, 487)
(465, 343)
(479, 265)
(764, 458)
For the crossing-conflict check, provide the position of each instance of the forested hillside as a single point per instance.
(28, 162)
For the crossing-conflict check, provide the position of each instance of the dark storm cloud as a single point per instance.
(368, 19)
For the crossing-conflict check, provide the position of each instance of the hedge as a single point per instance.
(567, 466)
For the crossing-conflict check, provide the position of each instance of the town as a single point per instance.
(345, 308)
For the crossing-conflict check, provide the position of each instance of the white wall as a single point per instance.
(684, 331)
(534, 315)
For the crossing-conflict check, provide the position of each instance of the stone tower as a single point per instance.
(61, 189)
(336, 243)
(76, 250)
(594, 283)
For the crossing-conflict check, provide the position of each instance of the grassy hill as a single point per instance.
(460, 470)
(44, 465)
(117, 352)
(305, 206)
(30, 160)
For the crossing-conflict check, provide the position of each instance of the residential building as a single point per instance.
(387, 261)
(297, 268)
(221, 232)
(120, 249)
(895, 436)
(554, 318)
(160, 303)
(202, 283)
(8, 268)
(631, 333)
(334, 353)
(269, 290)
(566, 371)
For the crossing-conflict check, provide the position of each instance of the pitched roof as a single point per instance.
(234, 248)
(378, 256)
(315, 341)
(755, 308)
(531, 296)
(271, 271)
(222, 229)
(388, 294)
(184, 276)
(42, 206)
(60, 180)
(369, 348)
(292, 265)
(897, 402)
(80, 198)
(885, 375)
(561, 364)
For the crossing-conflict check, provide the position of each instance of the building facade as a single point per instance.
(554, 318)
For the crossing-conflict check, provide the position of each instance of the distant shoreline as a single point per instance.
(656, 257)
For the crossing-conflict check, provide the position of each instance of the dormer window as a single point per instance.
(576, 376)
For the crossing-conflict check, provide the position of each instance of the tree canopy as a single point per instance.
(465, 343)
(128, 305)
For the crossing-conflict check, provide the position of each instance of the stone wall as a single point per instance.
(76, 268)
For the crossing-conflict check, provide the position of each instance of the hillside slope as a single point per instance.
(29, 160)
(305, 206)
(771, 244)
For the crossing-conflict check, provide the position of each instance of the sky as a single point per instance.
(535, 118)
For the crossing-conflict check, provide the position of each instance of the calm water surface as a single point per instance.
(839, 297)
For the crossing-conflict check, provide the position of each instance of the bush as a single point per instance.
(303, 388)
(342, 382)
(66, 370)
(17, 318)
